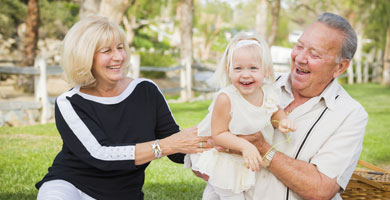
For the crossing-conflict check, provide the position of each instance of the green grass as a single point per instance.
(376, 101)
(27, 152)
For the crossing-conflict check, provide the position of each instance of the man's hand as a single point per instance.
(200, 175)
(256, 139)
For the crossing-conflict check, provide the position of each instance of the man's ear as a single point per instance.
(341, 67)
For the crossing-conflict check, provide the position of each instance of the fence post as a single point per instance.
(350, 72)
(135, 62)
(377, 68)
(40, 89)
(183, 95)
(369, 60)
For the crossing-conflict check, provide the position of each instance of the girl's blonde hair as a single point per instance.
(221, 78)
(82, 41)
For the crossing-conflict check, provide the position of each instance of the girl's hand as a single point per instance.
(252, 158)
(286, 125)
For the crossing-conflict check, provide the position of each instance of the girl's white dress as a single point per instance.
(228, 171)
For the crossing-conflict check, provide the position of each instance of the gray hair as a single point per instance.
(337, 22)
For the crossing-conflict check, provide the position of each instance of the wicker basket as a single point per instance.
(373, 184)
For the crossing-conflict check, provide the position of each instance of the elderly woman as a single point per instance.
(111, 125)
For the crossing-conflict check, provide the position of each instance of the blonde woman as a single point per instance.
(111, 125)
(245, 105)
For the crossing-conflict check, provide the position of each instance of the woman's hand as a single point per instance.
(187, 141)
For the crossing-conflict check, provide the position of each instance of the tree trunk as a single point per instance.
(359, 51)
(350, 73)
(386, 60)
(186, 24)
(377, 67)
(205, 52)
(129, 26)
(114, 9)
(275, 22)
(261, 18)
(31, 34)
(89, 7)
(25, 83)
(369, 62)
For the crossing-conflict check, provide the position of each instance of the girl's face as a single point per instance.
(107, 63)
(247, 74)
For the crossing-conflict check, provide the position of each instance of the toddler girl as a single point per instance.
(247, 103)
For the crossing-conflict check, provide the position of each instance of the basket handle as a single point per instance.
(371, 166)
(369, 182)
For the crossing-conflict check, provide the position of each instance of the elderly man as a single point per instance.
(323, 152)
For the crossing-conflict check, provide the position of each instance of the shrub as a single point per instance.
(156, 59)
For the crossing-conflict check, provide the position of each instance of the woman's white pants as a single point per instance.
(61, 190)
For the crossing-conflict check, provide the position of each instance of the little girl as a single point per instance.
(247, 103)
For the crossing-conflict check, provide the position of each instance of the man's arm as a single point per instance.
(301, 177)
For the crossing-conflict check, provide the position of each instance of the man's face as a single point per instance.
(314, 60)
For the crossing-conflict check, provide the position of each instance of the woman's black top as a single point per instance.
(99, 136)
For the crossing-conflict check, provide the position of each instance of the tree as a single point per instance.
(210, 19)
(89, 7)
(386, 60)
(12, 13)
(275, 22)
(186, 24)
(112, 9)
(378, 30)
(261, 18)
(30, 44)
(143, 13)
(31, 34)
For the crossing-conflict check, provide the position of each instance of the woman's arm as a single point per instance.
(186, 141)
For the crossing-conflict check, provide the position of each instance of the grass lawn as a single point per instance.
(27, 152)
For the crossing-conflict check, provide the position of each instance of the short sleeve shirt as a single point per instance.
(329, 135)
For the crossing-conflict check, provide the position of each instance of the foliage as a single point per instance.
(55, 17)
(12, 13)
(148, 39)
(379, 21)
(221, 42)
(283, 31)
(146, 9)
(66, 13)
(246, 16)
(156, 59)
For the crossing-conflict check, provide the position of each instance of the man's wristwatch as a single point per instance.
(269, 156)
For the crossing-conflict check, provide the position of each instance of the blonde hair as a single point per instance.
(221, 78)
(82, 41)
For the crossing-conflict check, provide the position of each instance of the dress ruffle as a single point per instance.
(228, 171)
(238, 177)
(271, 100)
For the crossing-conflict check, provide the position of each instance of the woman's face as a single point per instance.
(107, 63)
